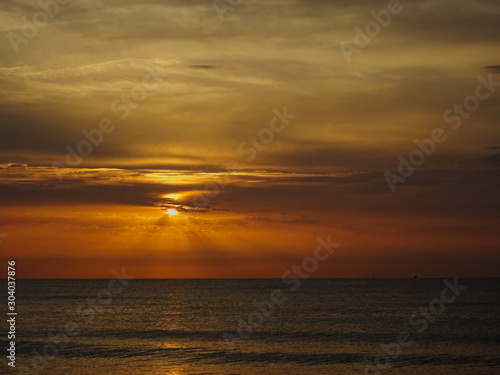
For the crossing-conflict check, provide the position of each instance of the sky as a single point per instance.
(183, 139)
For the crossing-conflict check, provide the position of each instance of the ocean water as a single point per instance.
(334, 326)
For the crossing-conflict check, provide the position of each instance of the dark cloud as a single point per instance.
(493, 68)
(203, 66)
(492, 159)
(287, 193)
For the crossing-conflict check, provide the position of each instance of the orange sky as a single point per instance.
(258, 226)
(144, 107)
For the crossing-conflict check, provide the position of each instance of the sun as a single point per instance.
(172, 212)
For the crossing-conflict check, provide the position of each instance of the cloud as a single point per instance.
(495, 69)
(224, 81)
(492, 158)
(105, 70)
(203, 66)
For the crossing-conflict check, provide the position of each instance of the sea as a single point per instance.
(255, 326)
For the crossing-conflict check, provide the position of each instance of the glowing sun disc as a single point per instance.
(172, 211)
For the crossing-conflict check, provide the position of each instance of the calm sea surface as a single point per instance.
(331, 326)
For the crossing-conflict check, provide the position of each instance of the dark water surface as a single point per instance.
(333, 326)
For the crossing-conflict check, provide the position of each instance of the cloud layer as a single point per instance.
(187, 93)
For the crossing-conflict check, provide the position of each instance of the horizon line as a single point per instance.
(270, 278)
